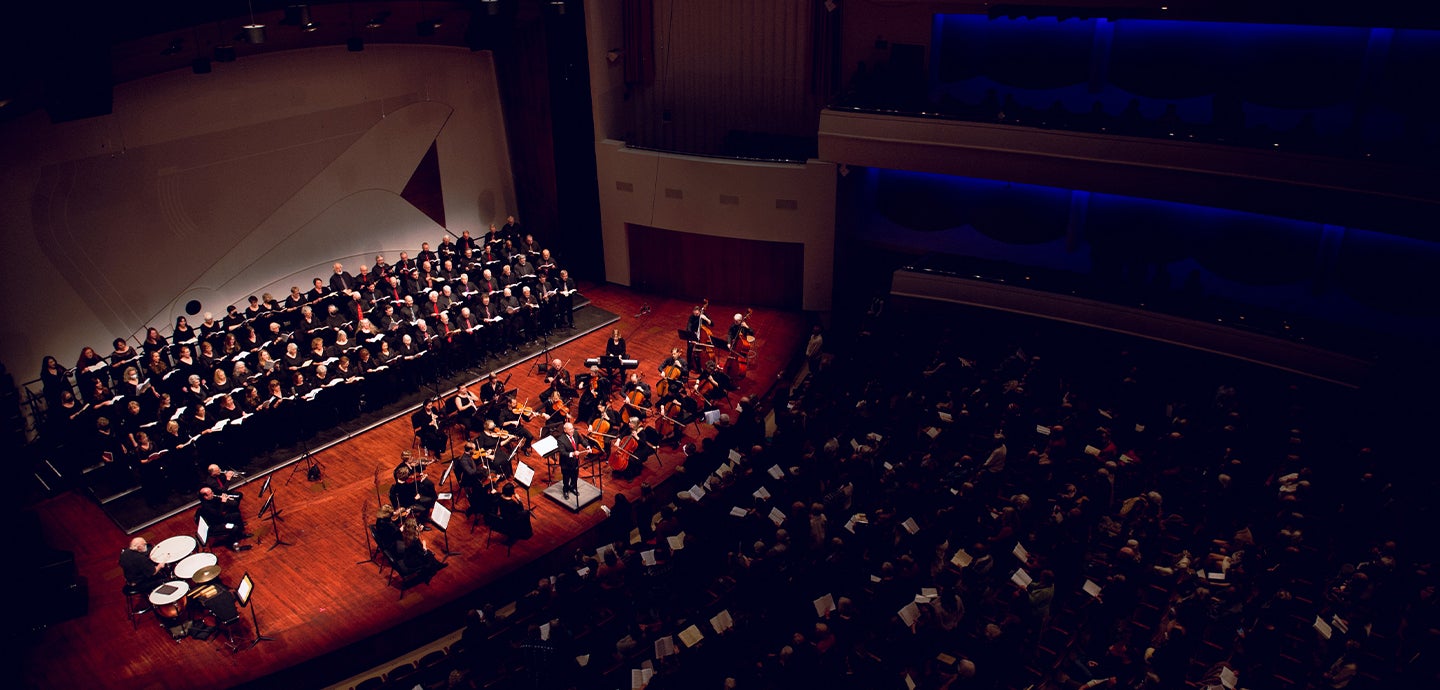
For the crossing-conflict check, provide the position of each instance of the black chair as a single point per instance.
(136, 594)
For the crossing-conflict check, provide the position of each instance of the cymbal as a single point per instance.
(206, 574)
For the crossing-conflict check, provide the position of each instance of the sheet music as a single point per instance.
(722, 621)
(824, 605)
(440, 515)
(909, 614)
(524, 474)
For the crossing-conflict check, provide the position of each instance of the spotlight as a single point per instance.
(492, 7)
(378, 20)
(225, 53)
(557, 7)
(427, 27)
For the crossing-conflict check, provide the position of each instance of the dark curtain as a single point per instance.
(639, 28)
(722, 269)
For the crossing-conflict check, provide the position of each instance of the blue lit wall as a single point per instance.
(1372, 84)
(1339, 275)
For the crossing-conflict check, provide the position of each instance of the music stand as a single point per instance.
(525, 474)
(543, 448)
(266, 487)
(270, 506)
(242, 596)
(440, 515)
(365, 527)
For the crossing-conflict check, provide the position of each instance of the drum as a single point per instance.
(187, 566)
(169, 602)
(173, 549)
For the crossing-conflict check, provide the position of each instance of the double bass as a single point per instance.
(704, 338)
(741, 348)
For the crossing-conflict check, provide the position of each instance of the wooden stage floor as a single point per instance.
(312, 597)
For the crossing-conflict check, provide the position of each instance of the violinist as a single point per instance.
(555, 409)
(475, 476)
(413, 490)
(559, 380)
(512, 418)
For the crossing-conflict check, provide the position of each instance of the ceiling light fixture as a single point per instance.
(254, 32)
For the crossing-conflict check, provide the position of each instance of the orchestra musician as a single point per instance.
(426, 423)
(513, 417)
(616, 345)
(739, 331)
(222, 513)
(413, 490)
(464, 408)
(635, 402)
(475, 476)
(141, 574)
(555, 409)
(697, 322)
(559, 380)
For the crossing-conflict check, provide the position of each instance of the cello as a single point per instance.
(622, 451)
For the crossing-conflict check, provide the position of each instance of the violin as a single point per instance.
(523, 410)
(559, 405)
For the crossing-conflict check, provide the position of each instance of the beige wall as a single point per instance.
(252, 178)
(702, 181)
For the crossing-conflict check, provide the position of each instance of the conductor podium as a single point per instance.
(586, 493)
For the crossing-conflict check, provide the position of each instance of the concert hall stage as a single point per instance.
(128, 507)
(330, 617)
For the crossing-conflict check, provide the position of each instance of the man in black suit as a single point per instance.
(140, 572)
(222, 514)
(571, 448)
